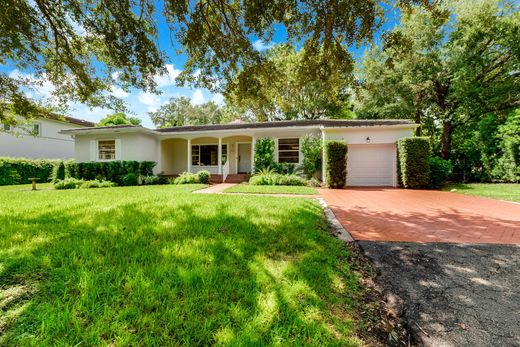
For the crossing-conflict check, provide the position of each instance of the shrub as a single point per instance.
(312, 150)
(19, 170)
(268, 177)
(313, 182)
(203, 177)
(186, 178)
(336, 164)
(58, 172)
(130, 179)
(73, 183)
(264, 154)
(414, 163)
(146, 168)
(114, 171)
(288, 169)
(150, 180)
(71, 169)
(440, 170)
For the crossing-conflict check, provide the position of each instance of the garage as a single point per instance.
(371, 165)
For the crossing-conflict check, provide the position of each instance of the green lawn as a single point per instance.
(247, 188)
(502, 191)
(158, 265)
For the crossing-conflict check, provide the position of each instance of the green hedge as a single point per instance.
(264, 154)
(414, 165)
(336, 164)
(120, 172)
(19, 170)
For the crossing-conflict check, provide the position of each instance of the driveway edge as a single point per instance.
(335, 226)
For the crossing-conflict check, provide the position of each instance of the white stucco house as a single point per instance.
(41, 138)
(227, 149)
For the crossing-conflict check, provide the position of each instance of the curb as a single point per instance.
(335, 226)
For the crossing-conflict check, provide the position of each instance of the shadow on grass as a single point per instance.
(188, 270)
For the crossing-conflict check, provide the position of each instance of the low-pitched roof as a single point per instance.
(329, 123)
(71, 120)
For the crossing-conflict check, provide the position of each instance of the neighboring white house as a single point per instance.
(41, 138)
(227, 149)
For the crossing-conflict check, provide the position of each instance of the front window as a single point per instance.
(207, 155)
(36, 130)
(107, 149)
(288, 150)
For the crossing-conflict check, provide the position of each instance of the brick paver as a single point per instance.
(387, 214)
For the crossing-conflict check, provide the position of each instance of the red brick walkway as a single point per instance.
(388, 214)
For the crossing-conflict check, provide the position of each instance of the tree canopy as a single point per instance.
(445, 71)
(85, 47)
(180, 111)
(283, 88)
(118, 118)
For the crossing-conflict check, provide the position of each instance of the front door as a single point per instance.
(244, 157)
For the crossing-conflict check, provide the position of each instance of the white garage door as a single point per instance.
(371, 165)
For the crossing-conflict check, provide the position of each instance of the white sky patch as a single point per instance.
(167, 79)
(41, 86)
(197, 73)
(218, 99)
(152, 101)
(197, 98)
(260, 45)
(119, 92)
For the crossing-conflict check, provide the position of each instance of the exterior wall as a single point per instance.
(355, 136)
(174, 154)
(49, 144)
(129, 146)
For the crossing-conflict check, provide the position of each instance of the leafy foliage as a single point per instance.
(58, 172)
(264, 154)
(336, 164)
(115, 171)
(73, 183)
(271, 178)
(180, 111)
(283, 88)
(312, 150)
(19, 170)
(508, 166)
(118, 118)
(445, 72)
(76, 46)
(440, 171)
(414, 165)
(191, 178)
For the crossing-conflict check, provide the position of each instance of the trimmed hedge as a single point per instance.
(440, 171)
(120, 172)
(336, 164)
(414, 164)
(19, 170)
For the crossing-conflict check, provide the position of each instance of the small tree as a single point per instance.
(312, 151)
(264, 154)
(336, 164)
(58, 172)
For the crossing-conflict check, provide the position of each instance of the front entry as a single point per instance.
(244, 157)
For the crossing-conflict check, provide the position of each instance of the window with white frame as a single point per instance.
(37, 129)
(107, 149)
(289, 150)
(207, 155)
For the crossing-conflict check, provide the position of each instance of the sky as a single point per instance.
(140, 102)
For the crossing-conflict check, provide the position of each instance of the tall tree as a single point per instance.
(180, 111)
(78, 45)
(446, 70)
(118, 118)
(284, 88)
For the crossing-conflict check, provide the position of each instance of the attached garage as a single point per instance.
(371, 165)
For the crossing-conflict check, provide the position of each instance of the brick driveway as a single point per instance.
(388, 214)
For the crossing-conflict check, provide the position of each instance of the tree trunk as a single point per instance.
(447, 132)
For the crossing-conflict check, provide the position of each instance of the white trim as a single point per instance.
(219, 155)
(117, 152)
(211, 144)
(277, 144)
(188, 166)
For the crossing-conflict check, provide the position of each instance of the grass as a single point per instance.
(247, 188)
(502, 191)
(158, 265)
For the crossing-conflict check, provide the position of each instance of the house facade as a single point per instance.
(228, 149)
(40, 138)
